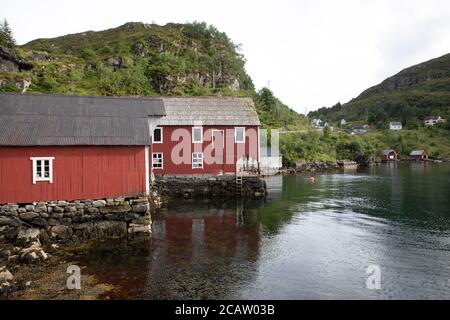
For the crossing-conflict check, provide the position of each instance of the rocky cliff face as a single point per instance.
(133, 59)
(413, 94)
(432, 70)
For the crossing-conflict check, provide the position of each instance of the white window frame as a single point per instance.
(153, 135)
(50, 169)
(162, 160)
(201, 135)
(235, 135)
(197, 153)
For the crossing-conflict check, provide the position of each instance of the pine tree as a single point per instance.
(6, 35)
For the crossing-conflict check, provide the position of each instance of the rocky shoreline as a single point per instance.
(37, 235)
(310, 167)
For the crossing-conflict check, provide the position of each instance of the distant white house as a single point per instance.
(317, 123)
(358, 130)
(431, 121)
(343, 122)
(395, 126)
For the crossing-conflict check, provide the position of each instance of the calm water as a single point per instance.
(306, 241)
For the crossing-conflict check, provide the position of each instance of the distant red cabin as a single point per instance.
(389, 155)
(418, 155)
(69, 148)
(205, 136)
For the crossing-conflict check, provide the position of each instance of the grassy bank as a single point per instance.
(331, 146)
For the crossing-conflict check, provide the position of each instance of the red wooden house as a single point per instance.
(205, 136)
(389, 155)
(418, 155)
(69, 148)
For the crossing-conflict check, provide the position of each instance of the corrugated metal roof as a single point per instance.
(42, 120)
(233, 111)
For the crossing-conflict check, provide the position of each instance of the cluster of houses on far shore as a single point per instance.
(319, 124)
(389, 154)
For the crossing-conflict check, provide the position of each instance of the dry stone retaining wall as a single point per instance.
(77, 220)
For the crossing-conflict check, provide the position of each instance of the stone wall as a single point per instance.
(74, 221)
(191, 186)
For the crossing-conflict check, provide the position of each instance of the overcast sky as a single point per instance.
(314, 52)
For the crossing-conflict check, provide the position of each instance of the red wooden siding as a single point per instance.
(79, 172)
(168, 147)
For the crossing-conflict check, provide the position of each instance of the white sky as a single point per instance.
(314, 52)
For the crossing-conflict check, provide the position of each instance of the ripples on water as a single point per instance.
(306, 241)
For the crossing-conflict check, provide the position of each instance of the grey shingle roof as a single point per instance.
(41, 120)
(417, 152)
(387, 151)
(395, 123)
(235, 111)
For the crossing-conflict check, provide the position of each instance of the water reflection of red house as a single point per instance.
(203, 238)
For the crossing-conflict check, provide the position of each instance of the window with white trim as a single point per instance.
(157, 135)
(197, 134)
(157, 160)
(42, 169)
(197, 160)
(239, 135)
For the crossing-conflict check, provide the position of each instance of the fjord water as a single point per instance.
(305, 241)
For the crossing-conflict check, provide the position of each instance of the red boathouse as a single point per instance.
(418, 155)
(205, 136)
(389, 155)
(69, 148)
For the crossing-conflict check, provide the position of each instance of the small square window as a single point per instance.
(42, 169)
(197, 135)
(158, 135)
(239, 135)
(197, 160)
(157, 160)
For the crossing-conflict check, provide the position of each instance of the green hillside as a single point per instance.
(139, 59)
(409, 96)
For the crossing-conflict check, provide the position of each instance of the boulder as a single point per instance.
(141, 208)
(5, 275)
(42, 222)
(29, 234)
(27, 216)
(33, 253)
(9, 208)
(139, 228)
(62, 232)
(99, 203)
(10, 61)
(115, 209)
(10, 221)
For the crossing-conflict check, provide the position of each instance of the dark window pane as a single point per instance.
(157, 135)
